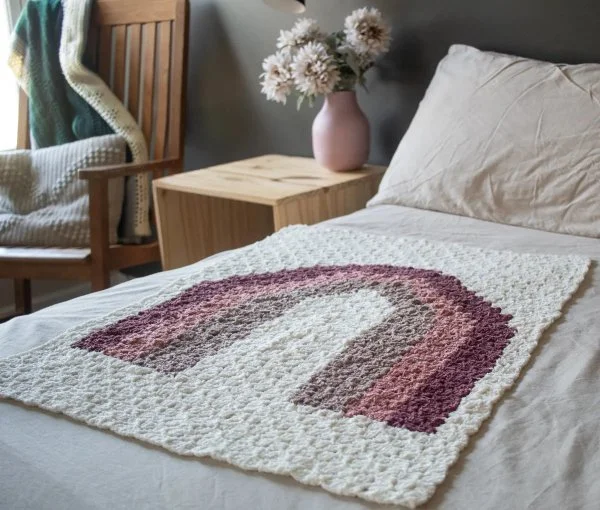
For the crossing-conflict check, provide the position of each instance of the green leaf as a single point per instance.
(352, 61)
(299, 101)
(331, 42)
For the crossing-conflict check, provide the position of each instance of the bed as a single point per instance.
(539, 450)
(536, 448)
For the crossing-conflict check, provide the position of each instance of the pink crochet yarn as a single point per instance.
(410, 371)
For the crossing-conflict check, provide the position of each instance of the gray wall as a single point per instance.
(229, 119)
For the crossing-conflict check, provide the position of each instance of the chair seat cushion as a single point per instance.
(42, 201)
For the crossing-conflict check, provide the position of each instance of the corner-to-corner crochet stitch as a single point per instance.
(354, 362)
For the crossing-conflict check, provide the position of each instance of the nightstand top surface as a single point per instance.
(268, 180)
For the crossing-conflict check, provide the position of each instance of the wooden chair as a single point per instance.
(149, 37)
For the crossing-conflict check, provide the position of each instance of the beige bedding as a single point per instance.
(505, 139)
(540, 449)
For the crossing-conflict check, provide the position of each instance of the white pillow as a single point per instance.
(505, 139)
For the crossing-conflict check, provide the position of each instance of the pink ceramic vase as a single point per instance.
(340, 133)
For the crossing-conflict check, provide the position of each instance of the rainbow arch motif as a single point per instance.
(411, 370)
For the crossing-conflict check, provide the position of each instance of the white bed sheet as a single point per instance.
(540, 449)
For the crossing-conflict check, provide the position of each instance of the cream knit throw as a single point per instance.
(136, 221)
(42, 200)
(355, 362)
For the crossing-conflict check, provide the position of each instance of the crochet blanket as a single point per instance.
(57, 114)
(355, 362)
(69, 102)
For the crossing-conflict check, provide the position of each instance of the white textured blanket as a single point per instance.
(354, 362)
(42, 200)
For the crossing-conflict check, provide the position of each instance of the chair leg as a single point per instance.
(22, 296)
(100, 279)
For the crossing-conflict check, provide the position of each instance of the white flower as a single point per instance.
(277, 80)
(304, 31)
(367, 33)
(308, 29)
(286, 40)
(314, 70)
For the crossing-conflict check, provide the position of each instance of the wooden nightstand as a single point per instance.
(206, 211)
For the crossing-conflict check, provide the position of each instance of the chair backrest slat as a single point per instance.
(120, 58)
(134, 65)
(148, 72)
(162, 93)
(146, 42)
(178, 81)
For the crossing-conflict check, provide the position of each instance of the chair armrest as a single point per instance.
(127, 169)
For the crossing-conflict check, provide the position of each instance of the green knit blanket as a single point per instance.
(57, 114)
